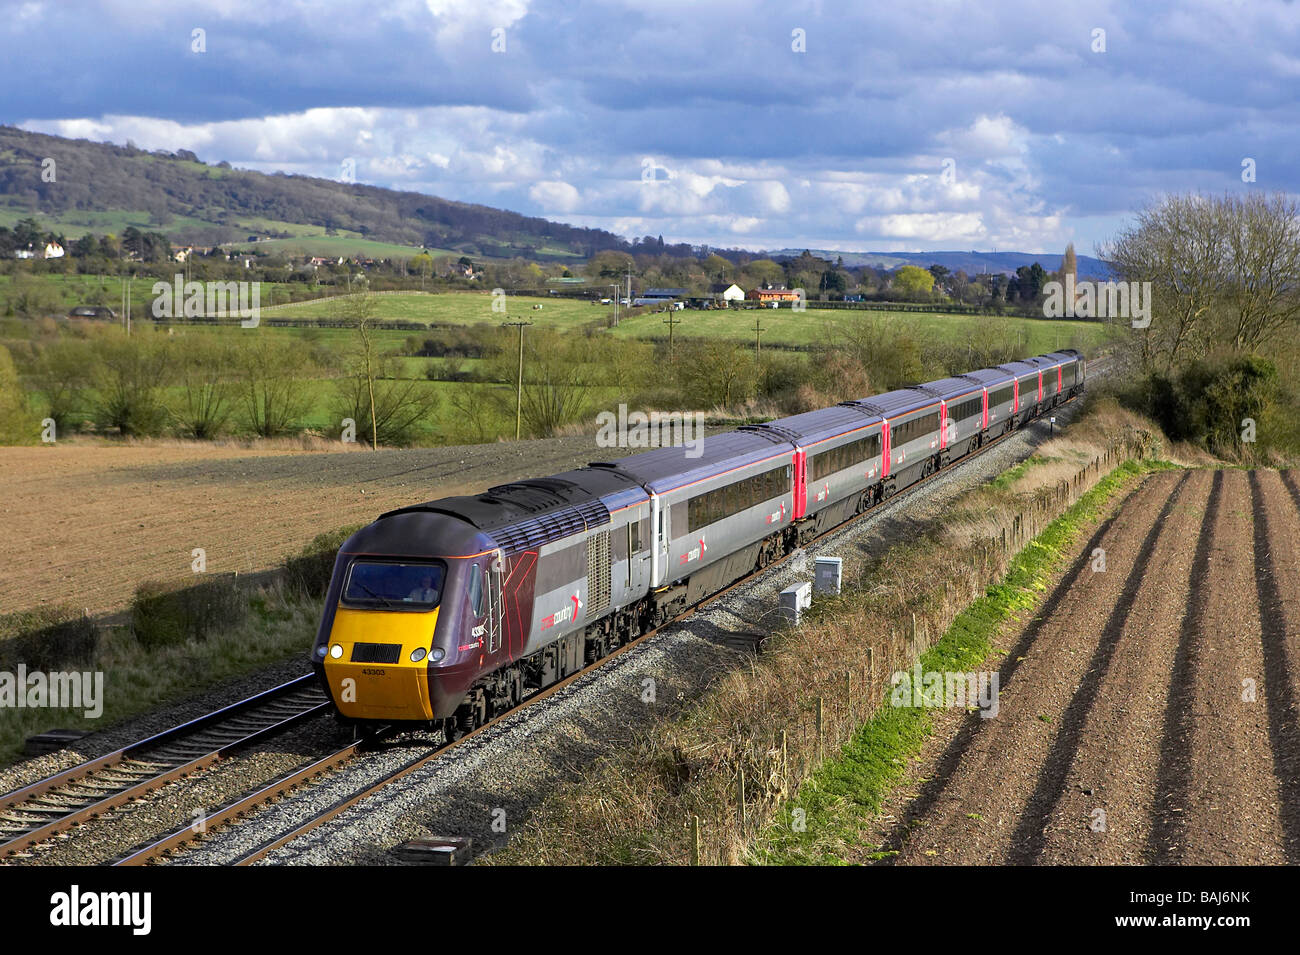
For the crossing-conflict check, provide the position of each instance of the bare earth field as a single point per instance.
(84, 523)
(1148, 712)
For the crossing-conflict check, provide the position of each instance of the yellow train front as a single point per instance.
(406, 631)
(449, 612)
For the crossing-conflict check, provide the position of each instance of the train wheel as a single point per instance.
(450, 730)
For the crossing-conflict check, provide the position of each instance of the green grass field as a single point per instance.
(781, 326)
(459, 308)
(72, 289)
(306, 239)
(317, 243)
(816, 326)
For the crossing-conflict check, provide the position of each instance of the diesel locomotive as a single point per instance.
(449, 612)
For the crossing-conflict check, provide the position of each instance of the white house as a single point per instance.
(728, 293)
(53, 250)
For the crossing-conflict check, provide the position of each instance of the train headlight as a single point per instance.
(436, 654)
(336, 651)
(320, 651)
(417, 654)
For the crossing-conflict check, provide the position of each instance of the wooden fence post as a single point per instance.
(740, 795)
(821, 715)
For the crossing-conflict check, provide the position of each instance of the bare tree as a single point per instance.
(205, 371)
(1224, 273)
(1262, 287)
(558, 380)
(362, 308)
(1178, 245)
(272, 382)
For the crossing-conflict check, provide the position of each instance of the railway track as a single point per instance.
(80, 793)
(244, 805)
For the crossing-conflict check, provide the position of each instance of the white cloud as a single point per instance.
(926, 227)
(552, 197)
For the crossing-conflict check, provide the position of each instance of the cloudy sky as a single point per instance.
(932, 124)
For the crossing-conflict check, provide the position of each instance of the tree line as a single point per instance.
(1218, 362)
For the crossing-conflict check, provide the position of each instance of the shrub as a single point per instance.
(308, 572)
(49, 638)
(17, 424)
(165, 614)
(130, 376)
(1208, 401)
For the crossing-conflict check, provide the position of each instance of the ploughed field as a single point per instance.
(85, 523)
(1147, 713)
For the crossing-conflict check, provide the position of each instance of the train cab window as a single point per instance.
(476, 589)
(374, 583)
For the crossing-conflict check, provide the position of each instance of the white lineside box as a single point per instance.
(827, 574)
(794, 600)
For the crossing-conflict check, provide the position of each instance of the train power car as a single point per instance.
(449, 612)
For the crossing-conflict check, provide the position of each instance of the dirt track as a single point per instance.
(84, 523)
(1147, 712)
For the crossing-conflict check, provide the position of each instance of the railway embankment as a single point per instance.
(715, 780)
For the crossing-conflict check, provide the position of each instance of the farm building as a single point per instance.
(726, 294)
(781, 294)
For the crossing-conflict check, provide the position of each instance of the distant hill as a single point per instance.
(99, 187)
(972, 262)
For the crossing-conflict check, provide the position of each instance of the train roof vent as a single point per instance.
(926, 390)
(775, 433)
(551, 526)
(867, 406)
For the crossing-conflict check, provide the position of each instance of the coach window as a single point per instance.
(476, 589)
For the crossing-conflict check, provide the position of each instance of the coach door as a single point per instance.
(800, 483)
(495, 621)
(887, 451)
(639, 554)
(658, 541)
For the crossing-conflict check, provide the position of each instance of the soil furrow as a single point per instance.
(1277, 539)
(1228, 811)
(1103, 803)
(973, 814)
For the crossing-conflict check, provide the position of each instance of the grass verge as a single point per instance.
(824, 822)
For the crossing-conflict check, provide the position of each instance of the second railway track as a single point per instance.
(42, 810)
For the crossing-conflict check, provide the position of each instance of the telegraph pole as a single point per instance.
(519, 390)
(670, 322)
(757, 332)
